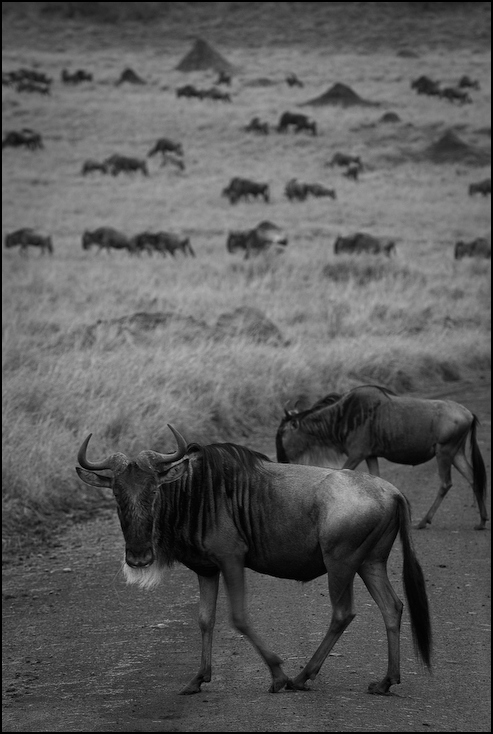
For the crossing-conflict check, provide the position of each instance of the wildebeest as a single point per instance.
(295, 189)
(253, 241)
(352, 171)
(175, 160)
(28, 237)
(92, 165)
(221, 508)
(108, 239)
(455, 95)
(239, 188)
(425, 85)
(345, 159)
(480, 247)
(29, 86)
(297, 121)
(466, 81)
(168, 242)
(370, 422)
(256, 126)
(189, 91)
(116, 164)
(363, 243)
(214, 93)
(224, 78)
(76, 77)
(25, 137)
(293, 81)
(319, 190)
(165, 145)
(481, 187)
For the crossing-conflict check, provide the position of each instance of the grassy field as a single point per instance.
(310, 322)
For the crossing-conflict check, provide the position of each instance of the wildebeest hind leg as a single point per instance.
(463, 466)
(209, 586)
(445, 471)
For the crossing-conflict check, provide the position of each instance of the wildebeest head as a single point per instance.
(135, 485)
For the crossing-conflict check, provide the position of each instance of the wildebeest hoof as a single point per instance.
(376, 689)
(292, 685)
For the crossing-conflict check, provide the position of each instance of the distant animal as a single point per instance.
(481, 187)
(144, 242)
(253, 241)
(168, 242)
(352, 171)
(175, 160)
(30, 86)
(25, 137)
(345, 159)
(294, 189)
(189, 91)
(116, 164)
(91, 165)
(425, 85)
(466, 81)
(28, 237)
(224, 78)
(297, 121)
(165, 145)
(256, 126)
(76, 77)
(480, 247)
(453, 94)
(363, 243)
(130, 76)
(11, 78)
(221, 508)
(214, 93)
(239, 188)
(369, 422)
(108, 239)
(318, 190)
(293, 81)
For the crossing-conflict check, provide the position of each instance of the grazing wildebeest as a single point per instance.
(108, 239)
(116, 163)
(221, 508)
(455, 95)
(298, 121)
(189, 91)
(25, 137)
(92, 165)
(293, 81)
(168, 242)
(364, 243)
(256, 126)
(175, 160)
(239, 188)
(165, 145)
(480, 247)
(425, 85)
(466, 81)
(352, 171)
(27, 237)
(29, 86)
(214, 93)
(481, 187)
(318, 190)
(295, 190)
(76, 77)
(224, 78)
(345, 159)
(370, 422)
(253, 241)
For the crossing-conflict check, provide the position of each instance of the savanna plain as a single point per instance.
(236, 339)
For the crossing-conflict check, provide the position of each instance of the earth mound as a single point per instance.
(251, 323)
(339, 94)
(202, 56)
(450, 148)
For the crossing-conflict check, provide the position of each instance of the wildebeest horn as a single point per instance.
(290, 412)
(150, 458)
(113, 462)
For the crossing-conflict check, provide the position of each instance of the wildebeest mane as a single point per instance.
(219, 476)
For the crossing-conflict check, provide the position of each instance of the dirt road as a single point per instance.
(83, 652)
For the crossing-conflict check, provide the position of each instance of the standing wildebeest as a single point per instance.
(298, 121)
(189, 91)
(77, 77)
(117, 163)
(214, 93)
(165, 145)
(481, 187)
(244, 188)
(295, 190)
(318, 190)
(293, 81)
(425, 85)
(466, 81)
(221, 508)
(480, 247)
(92, 165)
(224, 78)
(25, 137)
(256, 126)
(370, 422)
(168, 242)
(107, 238)
(364, 243)
(26, 237)
(253, 241)
(455, 95)
(352, 171)
(345, 159)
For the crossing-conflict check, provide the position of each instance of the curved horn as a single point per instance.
(109, 463)
(289, 413)
(154, 457)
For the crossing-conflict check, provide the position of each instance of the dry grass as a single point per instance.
(407, 323)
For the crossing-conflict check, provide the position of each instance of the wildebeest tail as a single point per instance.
(415, 588)
(478, 467)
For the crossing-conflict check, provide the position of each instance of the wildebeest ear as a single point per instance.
(97, 480)
(172, 474)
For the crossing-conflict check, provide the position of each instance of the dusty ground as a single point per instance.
(82, 652)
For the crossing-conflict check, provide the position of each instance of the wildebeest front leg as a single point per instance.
(234, 578)
(209, 586)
